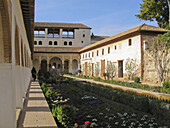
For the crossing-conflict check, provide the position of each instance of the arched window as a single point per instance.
(70, 43)
(115, 47)
(40, 42)
(55, 42)
(35, 42)
(65, 43)
(81, 41)
(50, 42)
(83, 35)
(97, 52)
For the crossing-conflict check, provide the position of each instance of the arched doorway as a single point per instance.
(36, 64)
(74, 66)
(44, 66)
(66, 66)
(55, 62)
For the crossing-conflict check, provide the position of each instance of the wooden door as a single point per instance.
(92, 69)
(86, 68)
(120, 68)
(102, 67)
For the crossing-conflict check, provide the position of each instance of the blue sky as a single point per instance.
(105, 17)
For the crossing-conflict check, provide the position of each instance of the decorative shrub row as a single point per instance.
(136, 84)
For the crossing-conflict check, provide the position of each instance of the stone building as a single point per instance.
(58, 45)
(16, 48)
(132, 44)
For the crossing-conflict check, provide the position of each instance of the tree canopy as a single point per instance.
(155, 10)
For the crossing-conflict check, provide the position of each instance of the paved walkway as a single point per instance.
(36, 112)
(161, 96)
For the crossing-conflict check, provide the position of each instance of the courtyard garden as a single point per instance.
(77, 104)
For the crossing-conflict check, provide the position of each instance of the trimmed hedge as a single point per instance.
(164, 89)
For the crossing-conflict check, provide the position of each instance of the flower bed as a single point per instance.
(80, 104)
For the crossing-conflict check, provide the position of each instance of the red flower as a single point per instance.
(80, 116)
(76, 124)
(87, 122)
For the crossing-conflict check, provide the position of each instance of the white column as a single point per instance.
(46, 32)
(48, 61)
(63, 63)
(18, 81)
(70, 65)
(39, 62)
(61, 30)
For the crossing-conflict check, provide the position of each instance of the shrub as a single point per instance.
(65, 114)
(106, 74)
(137, 80)
(48, 93)
(97, 78)
(79, 71)
(40, 82)
(47, 75)
(166, 84)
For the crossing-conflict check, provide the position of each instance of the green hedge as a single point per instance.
(164, 89)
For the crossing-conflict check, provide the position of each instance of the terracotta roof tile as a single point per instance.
(143, 27)
(60, 25)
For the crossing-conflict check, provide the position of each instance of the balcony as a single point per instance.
(39, 35)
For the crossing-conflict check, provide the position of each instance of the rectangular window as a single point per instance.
(97, 52)
(92, 54)
(102, 51)
(108, 50)
(68, 33)
(39, 33)
(86, 55)
(130, 42)
(89, 54)
(115, 47)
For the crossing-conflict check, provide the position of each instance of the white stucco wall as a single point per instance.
(14, 80)
(123, 52)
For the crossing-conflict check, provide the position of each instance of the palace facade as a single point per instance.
(131, 44)
(58, 45)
